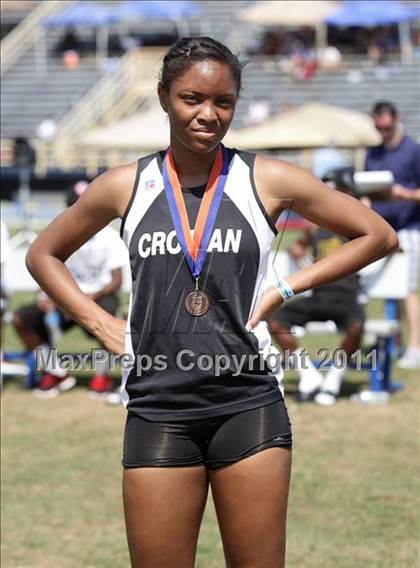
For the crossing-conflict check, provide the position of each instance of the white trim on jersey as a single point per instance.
(243, 197)
(129, 351)
(149, 186)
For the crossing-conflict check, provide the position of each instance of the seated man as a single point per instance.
(338, 302)
(97, 268)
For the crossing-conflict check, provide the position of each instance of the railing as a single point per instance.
(93, 159)
(113, 97)
(27, 33)
(116, 94)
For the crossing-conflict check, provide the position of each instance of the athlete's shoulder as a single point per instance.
(272, 167)
(275, 167)
(280, 178)
(116, 186)
(119, 177)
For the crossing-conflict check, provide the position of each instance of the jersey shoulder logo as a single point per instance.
(150, 184)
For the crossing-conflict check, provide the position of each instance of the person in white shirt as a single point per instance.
(97, 268)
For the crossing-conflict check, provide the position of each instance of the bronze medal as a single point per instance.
(194, 243)
(197, 303)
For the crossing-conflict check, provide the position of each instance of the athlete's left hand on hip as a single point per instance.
(270, 301)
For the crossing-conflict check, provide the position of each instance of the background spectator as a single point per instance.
(401, 208)
(24, 156)
(68, 42)
(97, 268)
(338, 302)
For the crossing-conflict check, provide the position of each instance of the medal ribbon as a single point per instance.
(195, 247)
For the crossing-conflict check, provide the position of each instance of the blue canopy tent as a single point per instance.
(93, 15)
(156, 9)
(376, 13)
(371, 13)
(88, 15)
(178, 11)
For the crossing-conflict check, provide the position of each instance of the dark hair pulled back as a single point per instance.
(190, 50)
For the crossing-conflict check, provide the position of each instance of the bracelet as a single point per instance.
(284, 289)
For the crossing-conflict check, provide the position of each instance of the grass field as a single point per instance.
(354, 502)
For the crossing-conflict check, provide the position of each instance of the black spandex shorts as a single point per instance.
(213, 442)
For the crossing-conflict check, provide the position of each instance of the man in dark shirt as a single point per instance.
(401, 208)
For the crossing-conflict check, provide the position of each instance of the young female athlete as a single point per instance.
(203, 408)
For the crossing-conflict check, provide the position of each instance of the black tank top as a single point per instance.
(175, 373)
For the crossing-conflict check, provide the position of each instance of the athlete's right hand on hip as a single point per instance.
(269, 302)
(111, 333)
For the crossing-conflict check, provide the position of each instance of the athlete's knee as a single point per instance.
(18, 322)
(355, 328)
(274, 559)
(277, 327)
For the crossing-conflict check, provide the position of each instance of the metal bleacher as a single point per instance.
(355, 85)
(394, 81)
(50, 95)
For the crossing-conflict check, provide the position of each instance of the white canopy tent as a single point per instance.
(313, 125)
(289, 12)
(292, 13)
(144, 131)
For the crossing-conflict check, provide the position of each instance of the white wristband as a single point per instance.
(284, 289)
